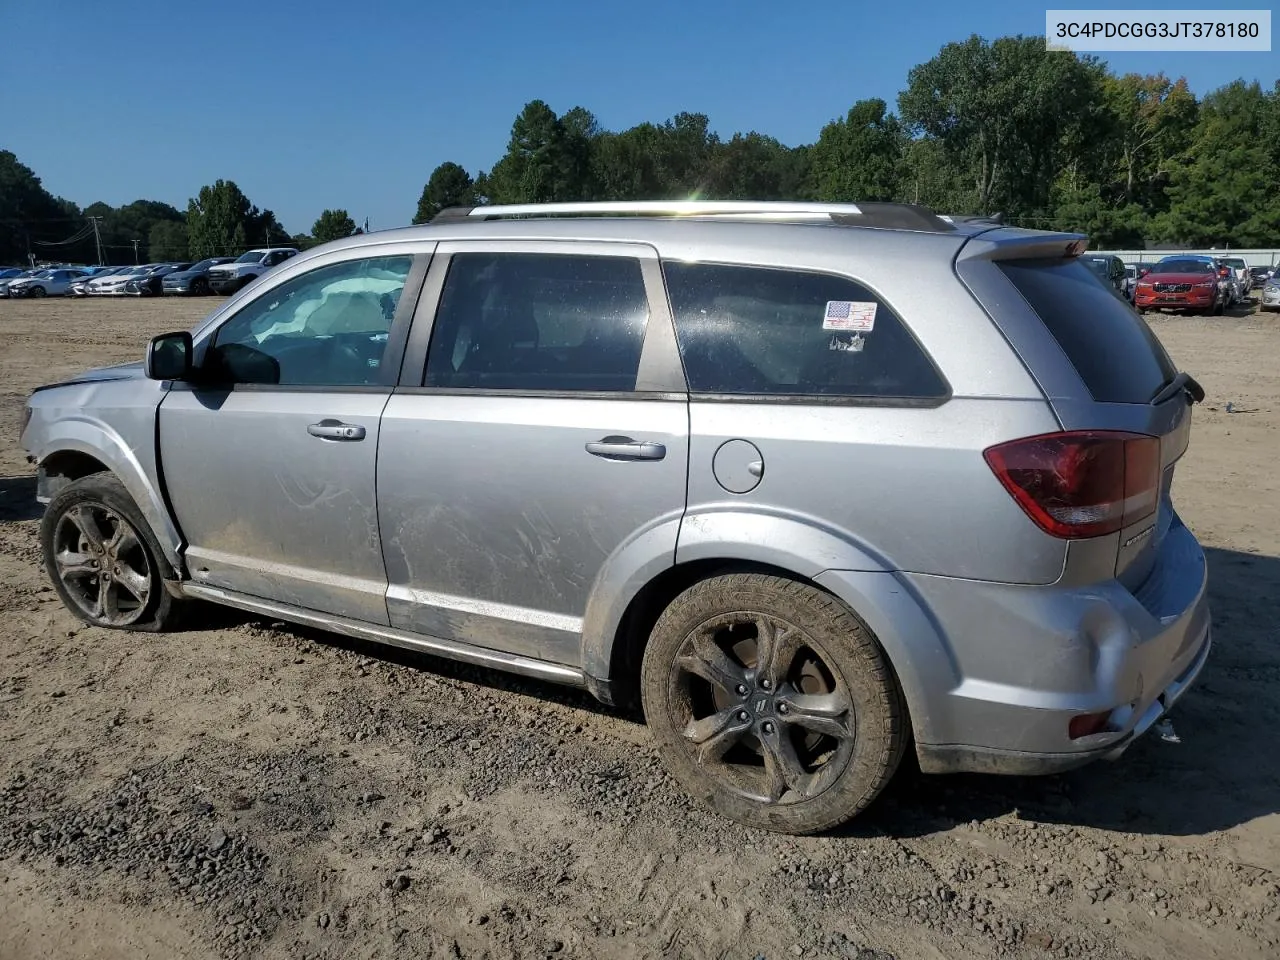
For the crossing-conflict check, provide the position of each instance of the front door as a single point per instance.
(270, 459)
(537, 448)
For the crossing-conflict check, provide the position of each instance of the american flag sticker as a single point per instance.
(853, 315)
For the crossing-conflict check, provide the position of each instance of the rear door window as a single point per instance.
(1112, 348)
(539, 322)
(764, 331)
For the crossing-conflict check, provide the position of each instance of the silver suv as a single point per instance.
(720, 460)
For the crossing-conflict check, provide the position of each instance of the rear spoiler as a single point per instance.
(1011, 243)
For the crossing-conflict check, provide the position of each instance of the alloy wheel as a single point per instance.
(102, 564)
(760, 709)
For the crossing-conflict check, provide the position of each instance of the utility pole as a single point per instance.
(135, 250)
(97, 239)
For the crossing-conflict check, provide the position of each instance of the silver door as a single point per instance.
(270, 460)
(545, 441)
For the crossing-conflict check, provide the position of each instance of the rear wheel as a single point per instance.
(772, 703)
(103, 559)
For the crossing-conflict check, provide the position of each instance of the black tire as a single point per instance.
(92, 523)
(199, 287)
(245, 282)
(37, 292)
(797, 746)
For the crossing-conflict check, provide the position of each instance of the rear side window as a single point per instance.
(1112, 348)
(758, 330)
(517, 321)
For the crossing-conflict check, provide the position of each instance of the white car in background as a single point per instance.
(113, 284)
(54, 282)
(1240, 274)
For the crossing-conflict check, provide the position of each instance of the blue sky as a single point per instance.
(321, 103)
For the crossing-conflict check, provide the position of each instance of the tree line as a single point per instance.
(219, 221)
(1049, 139)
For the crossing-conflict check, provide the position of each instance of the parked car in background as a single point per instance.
(193, 280)
(80, 287)
(1109, 269)
(1183, 283)
(19, 275)
(697, 418)
(242, 271)
(1240, 274)
(1259, 276)
(8, 273)
(1130, 281)
(1270, 298)
(46, 283)
(113, 285)
(149, 284)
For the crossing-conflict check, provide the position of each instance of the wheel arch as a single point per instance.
(77, 448)
(914, 646)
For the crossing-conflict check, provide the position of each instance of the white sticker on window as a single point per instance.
(847, 342)
(854, 315)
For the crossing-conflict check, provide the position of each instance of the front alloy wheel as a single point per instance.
(103, 559)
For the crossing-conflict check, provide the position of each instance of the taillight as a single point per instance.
(1081, 483)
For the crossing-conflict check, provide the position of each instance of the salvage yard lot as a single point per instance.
(247, 788)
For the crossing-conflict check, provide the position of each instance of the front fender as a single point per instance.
(133, 463)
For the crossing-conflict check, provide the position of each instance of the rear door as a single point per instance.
(530, 442)
(1099, 364)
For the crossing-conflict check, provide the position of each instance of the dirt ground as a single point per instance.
(247, 788)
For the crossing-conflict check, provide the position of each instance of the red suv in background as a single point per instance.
(1182, 283)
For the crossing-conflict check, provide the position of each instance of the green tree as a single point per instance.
(449, 186)
(1224, 193)
(167, 240)
(221, 222)
(859, 157)
(1003, 112)
(1153, 118)
(533, 168)
(753, 166)
(333, 225)
(30, 215)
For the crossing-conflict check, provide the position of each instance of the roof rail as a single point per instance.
(897, 215)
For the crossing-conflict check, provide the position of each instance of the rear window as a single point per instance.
(764, 331)
(1112, 348)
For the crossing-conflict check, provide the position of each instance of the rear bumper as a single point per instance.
(1025, 660)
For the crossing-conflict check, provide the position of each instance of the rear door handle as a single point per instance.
(624, 448)
(336, 430)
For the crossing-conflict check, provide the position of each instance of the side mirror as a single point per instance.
(169, 357)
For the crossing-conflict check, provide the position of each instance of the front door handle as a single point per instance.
(624, 448)
(336, 430)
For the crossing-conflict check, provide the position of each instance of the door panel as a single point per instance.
(532, 456)
(270, 459)
(496, 520)
(271, 510)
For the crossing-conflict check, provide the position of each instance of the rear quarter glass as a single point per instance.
(747, 330)
(1113, 350)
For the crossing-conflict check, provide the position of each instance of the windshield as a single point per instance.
(253, 256)
(1235, 263)
(1183, 266)
(204, 264)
